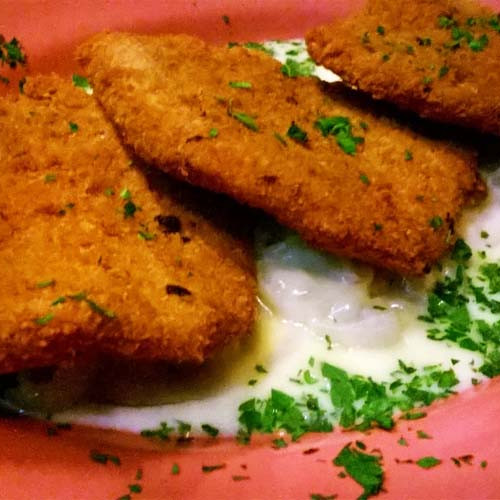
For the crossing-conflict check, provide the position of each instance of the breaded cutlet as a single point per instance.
(438, 58)
(348, 180)
(96, 259)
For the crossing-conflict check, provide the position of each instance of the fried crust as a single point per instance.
(166, 93)
(66, 180)
(398, 51)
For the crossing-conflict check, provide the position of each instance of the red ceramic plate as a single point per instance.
(34, 464)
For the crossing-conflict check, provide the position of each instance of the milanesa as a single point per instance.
(436, 58)
(347, 179)
(97, 255)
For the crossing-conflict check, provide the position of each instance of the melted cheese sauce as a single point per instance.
(313, 308)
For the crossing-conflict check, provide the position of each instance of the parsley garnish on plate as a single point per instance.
(296, 133)
(340, 127)
(240, 85)
(82, 83)
(293, 68)
(246, 120)
(364, 468)
(428, 462)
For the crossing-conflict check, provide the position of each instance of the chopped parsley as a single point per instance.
(125, 194)
(212, 468)
(50, 178)
(436, 222)
(260, 369)
(364, 179)
(175, 470)
(296, 133)
(478, 44)
(225, 19)
(484, 234)
(162, 432)
(402, 441)
(381, 30)
(428, 462)
(73, 127)
(135, 488)
(318, 496)
(293, 68)
(340, 127)
(83, 83)
(213, 132)
(82, 296)
(423, 435)
(279, 443)
(45, 284)
(443, 71)
(408, 155)
(280, 139)
(109, 192)
(104, 458)
(129, 209)
(146, 236)
(246, 120)
(240, 85)
(364, 468)
(44, 320)
(210, 430)
(377, 226)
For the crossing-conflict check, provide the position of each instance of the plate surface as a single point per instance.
(35, 464)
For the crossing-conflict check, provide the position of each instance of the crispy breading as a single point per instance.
(166, 94)
(438, 58)
(94, 258)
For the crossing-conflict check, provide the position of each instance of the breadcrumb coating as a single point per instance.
(228, 120)
(438, 58)
(97, 256)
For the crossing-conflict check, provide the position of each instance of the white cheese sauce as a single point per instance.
(314, 308)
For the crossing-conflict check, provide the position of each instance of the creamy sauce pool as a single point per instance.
(313, 308)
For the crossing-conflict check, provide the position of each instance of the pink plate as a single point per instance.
(35, 464)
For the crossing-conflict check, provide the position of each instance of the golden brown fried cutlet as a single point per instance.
(392, 201)
(92, 257)
(438, 58)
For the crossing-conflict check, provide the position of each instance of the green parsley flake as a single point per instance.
(129, 209)
(483, 464)
(443, 71)
(212, 468)
(73, 127)
(258, 46)
(427, 80)
(340, 127)
(246, 120)
(144, 235)
(44, 320)
(318, 496)
(478, 44)
(135, 488)
(402, 441)
(175, 470)
(104, 458)
(125, 194)
(381, 30)
(364, 468)
(252, 381)
(377, 226)
(296, 133)
(213, 132)
(225, 19)
(408, 155)
(109, 191)
(484, 235)
(50, 178)
(240, 85)
(436, 222)
(428, 462)
(385, 57)
(260, 369)
(162, 432)
(280, 139)
(59, 300)
(45, 284)
(279, 443)
(423, 435)
(364, 179)
(210, 430)
(293, 68)
(83, 83)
